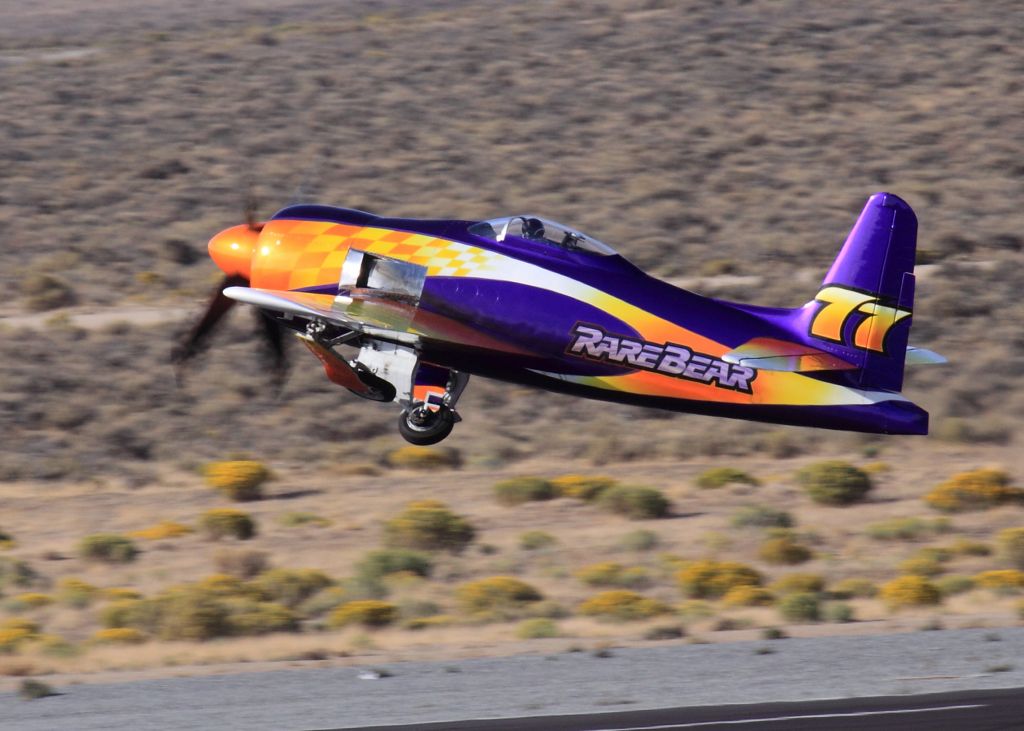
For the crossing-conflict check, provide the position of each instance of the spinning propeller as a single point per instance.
(232, 251)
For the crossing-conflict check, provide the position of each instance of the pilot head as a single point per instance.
(533, 228)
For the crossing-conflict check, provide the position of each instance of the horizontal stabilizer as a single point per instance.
(923, 356)
(779, 355)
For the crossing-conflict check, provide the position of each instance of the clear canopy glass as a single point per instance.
(535, 228)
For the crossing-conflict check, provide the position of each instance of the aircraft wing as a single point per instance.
(387, 318)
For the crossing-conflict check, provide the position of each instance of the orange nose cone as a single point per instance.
(232, 249)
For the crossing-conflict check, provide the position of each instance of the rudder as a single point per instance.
(863, 309)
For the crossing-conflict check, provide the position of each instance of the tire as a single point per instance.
(423, 427)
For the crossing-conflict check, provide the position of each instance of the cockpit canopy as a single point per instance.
(534, 228)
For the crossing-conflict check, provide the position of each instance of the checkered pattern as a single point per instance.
(297, 254)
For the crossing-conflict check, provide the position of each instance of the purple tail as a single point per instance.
(863, 310)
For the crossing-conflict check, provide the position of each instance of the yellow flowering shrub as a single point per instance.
(437, 620)
(495, 594)
(721, 476)
(711, 579)
(1011, 546)
(799, 584)
(367, 612)
(161, 531)
(75, 592)
(428, 525)
(291, 587)
(921, 566)
(976, 490)
(748, 596)
(853, 588)
(11, 639)
(119, 636)
(117, 593)
(239, 480)
(910, 591)
(1000, 580)
(784, 549)
(227, 522)
(610, 573)
(623, 605)
(30, 600)
(423, 458)
(582, 487)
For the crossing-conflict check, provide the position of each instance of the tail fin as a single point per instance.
(863, 310)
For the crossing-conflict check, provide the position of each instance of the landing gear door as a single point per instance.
(365, 274)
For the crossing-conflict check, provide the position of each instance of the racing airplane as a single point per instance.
(406, 310)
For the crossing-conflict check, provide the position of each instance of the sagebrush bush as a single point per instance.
(954, 584)
(853, 588)
(839, 612)
(760, 516)
(798, 584)
(239, 480)
(1011, 546)
(163, 530)
(366, 612)
(244, 564)
(248, 617)
(967, 547)
(721, 476)
(623, 605)
(748, 596)
(800, 607)
(15, 572)
(534, 540)
(6, 540)
(921, 566)
(43, 291)
(610, 573)
(75, 592)
(519, 490)
(423, 458)
(582, 487)
(537, 628)
(108, 547)
(429, 525)
(118, 636)
(834, 482)
(496, 594)
(712, 579)
(294, 519)
(977, 490)
(227, 523)
(1000, 580)
(784, 549)
(907, 529)
(375, 565)
(910, 591)
(640, 540)
(636, 503)
(291, 587)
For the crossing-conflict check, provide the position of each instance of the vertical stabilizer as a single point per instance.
(862, 311)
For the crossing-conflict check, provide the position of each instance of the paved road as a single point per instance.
(556, 685)
(963, 711)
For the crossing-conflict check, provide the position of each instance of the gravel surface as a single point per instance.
(681, 675)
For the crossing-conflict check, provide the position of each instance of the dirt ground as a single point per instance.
(725, 146)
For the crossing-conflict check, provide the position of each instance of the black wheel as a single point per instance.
(419, 425)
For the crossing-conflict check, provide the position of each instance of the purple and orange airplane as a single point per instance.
(420, 305)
